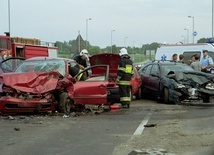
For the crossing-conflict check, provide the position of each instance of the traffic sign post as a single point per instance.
(195, 33)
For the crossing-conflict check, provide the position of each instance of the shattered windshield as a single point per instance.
(42, 66)
(177, 67)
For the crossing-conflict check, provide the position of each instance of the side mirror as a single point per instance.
(171, 76)
(155, 74)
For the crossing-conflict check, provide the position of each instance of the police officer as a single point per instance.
(206, 62)
(124, 74)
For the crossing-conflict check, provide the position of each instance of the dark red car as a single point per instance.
(44, 84)
(112, 60)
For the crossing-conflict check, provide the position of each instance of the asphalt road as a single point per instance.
(176, 128)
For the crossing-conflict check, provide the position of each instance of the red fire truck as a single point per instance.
(27, 47)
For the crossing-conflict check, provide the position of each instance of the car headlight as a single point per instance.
(180, 86)
(210, 86)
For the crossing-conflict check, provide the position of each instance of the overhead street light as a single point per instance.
(111, 39)
(183, 39)
(125, 41)
(187, 39)
(192, 28)
(86, 44)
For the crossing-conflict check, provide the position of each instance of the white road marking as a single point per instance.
(141, 127)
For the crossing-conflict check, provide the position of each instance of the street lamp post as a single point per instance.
(184, 39)
(86, 44)
(187, 39)
(133, 51)
(125, 41)
(192, 28)
(9, 15)
(212, 17)
(111, 39)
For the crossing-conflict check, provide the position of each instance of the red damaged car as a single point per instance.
(112, 60)
(44, 84)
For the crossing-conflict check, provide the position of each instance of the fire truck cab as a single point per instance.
(27, 47)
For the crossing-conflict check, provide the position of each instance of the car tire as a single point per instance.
(166, 96)
(138, 95)
(64, 104)
(143, 94)
(206, 99)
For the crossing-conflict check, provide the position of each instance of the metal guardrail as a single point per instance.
(49, 44)
(33, 41)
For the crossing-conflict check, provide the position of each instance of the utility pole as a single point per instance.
(86, 44)
(111, 39)
(9, 16)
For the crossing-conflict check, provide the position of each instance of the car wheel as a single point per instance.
(64, 104)
(138, 95)
(143, 94)
(206, 99)
(166, 95)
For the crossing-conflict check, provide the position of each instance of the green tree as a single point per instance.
(94, 50)
(202, 40)
(107, 49)
(63, 47)
(115, 49)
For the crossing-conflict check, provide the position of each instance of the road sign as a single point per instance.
(195, 33)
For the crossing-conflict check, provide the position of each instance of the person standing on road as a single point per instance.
(206, 62)
(124, 74)
(181, 58)
(81, 58)
(174, 57)
(192, 59)
(196, 65)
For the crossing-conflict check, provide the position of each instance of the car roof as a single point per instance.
(48, 58)
(163, 63)
(168, 62)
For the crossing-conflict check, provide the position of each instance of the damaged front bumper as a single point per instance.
(189, 95)
(15, 105)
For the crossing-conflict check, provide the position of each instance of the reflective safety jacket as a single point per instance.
(125, 70)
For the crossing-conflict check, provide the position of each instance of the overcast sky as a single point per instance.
(142, 21)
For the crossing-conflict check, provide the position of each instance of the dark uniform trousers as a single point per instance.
(125, 71)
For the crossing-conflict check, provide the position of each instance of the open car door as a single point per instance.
(93, 89)
(11, 64)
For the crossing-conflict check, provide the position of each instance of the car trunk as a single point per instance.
(105, 59)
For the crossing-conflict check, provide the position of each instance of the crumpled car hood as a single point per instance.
(35, 83)
(197, 77)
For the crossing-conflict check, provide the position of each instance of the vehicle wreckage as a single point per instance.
(186, 87)
(43, 84)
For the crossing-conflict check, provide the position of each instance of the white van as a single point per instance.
(165, 52)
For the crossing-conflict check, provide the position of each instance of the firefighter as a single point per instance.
(81, 58)
(124, 74)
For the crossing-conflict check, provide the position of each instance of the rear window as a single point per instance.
(176, 67)
(188, 55)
